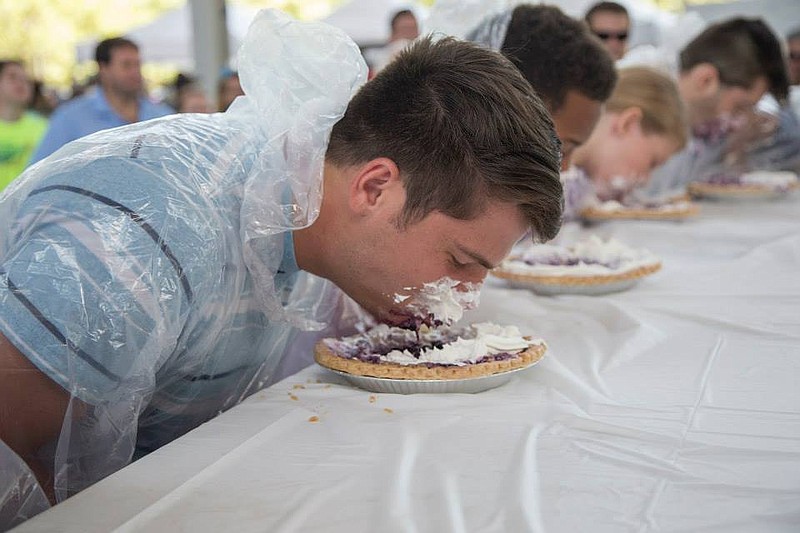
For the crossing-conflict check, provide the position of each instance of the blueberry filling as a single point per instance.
(724, 179)
(414, 322)
(371, 350)
(570, 261)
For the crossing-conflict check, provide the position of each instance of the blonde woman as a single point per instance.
(643, 124)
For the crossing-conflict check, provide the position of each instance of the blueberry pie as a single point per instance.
(431, 353)
(614, 210)
(592, 266)
(758, 184)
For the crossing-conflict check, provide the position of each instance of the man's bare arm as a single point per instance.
(32, 408)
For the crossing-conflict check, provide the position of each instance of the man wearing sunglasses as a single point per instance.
(611, 23)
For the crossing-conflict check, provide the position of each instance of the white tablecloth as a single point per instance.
(674, 406)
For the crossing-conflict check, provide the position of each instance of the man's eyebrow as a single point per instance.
(476, 256)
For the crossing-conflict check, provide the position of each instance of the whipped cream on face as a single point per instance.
(445, 299)
(472, 345)
(589, 257)
(773, 180)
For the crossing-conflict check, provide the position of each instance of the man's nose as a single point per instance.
(468, 280)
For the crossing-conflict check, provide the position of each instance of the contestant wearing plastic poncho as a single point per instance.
(189, 176)
(150, 273)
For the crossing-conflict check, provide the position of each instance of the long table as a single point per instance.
(674, 406)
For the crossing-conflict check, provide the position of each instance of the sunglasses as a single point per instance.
(605, 36)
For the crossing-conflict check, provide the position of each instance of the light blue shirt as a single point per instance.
(88, 114)
(123, 282)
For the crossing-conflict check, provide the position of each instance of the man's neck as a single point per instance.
(11, 112)
(126, 105)
(307, 250)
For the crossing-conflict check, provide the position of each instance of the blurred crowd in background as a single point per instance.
(36, 120)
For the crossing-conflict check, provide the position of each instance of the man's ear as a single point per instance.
(627, 120)
(373, 183)
(704, 79)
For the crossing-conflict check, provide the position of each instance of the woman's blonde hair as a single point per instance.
(656, 95)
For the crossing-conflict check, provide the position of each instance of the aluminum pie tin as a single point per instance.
(589, 289)
(737, 194)
(430, 386)
(592, 215)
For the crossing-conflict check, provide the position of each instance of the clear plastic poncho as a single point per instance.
(479, 21)
(149, 269)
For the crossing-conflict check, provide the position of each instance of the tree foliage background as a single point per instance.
(44, 33)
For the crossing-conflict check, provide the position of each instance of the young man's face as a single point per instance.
(372, 257)
(612, 29)
(574, 122)
(707, 98)
(123, 73)
(735, 101)
(15, 87)
(624, 158)
(405, 27)
(435, 247)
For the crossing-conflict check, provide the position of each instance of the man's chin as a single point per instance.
(388, 316)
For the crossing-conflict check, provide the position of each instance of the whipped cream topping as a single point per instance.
(774, 180)
(445, 299)
(589, 257)
(459, 347)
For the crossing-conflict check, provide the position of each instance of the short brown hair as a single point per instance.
(605, 7)
(657, 96)
(557, 53)
(464, 127)
(742, 50)
(6, 62)
(102, 54)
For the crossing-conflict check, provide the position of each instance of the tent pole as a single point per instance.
(210, 43)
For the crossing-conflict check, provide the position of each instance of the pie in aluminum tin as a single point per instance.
(567, 284)
(593, 214)
(438, 372)
(716, 191)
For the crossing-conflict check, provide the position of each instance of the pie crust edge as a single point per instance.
(700, 189)
(639, 272)
(639, 214)
(325, 357)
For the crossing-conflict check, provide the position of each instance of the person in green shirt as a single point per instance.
(20, 129)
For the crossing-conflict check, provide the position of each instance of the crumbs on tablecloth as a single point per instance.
(388, 410)
(299, 386)
(373, 399)
(293, 397)
(328, 386)
(313, 419)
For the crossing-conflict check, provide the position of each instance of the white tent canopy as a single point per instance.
(782, 15)
(169, 38)
(367, 21)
